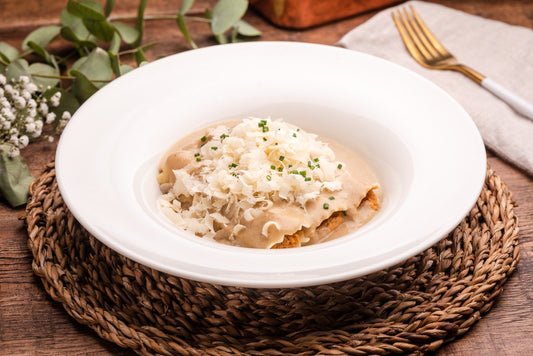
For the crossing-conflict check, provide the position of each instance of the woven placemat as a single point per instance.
(413, 307)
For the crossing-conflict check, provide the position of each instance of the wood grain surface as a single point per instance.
(32, 323)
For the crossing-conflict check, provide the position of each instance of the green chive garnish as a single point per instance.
(203, 138)
(281, 158)
(332, 198)
(269, 178)
(339, 166)
(325, 206)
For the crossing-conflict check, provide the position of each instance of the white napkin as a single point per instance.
(497, 50)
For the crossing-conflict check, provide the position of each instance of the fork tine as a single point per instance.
(407, 41)
(431, 38)
(420, 34)
(414, 37)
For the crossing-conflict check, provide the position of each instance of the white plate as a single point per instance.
(424, 148)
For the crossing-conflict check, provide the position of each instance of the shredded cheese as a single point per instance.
(239, 171)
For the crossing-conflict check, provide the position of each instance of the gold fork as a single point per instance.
(430, 53)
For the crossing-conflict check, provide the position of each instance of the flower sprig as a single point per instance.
(49, 91)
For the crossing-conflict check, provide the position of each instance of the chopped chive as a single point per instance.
(269, 178)
(302, 173)
(281, 158)
(298, 130)
(332, 198)
(272, 167)
(280, 169)
(307, 179)
(233, 165)
(203, 138)
(196, 154)
(265, 129)
(294, 134)
(198, 159)
(310, 165)
(318, 165)
(325, 206)
(294, 172)
(214, 148)
(316, 160)
(339, 166)
(223, 136)
(264, 138)
(276, 143)
(290, 165)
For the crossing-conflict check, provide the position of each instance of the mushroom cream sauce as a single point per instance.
(265, 184)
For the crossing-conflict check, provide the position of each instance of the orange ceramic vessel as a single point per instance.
(300, 14)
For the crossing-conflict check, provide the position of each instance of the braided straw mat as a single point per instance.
(413, 307)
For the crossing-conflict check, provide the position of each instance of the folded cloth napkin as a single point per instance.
(497, 50)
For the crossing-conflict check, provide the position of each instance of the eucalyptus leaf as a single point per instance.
(86, 10)
(245, 29)
(82, 88)
(97, 67)
(114, 45)
(40, 51)
(18, 68)
(127, 33)
(186, 6)
(8, 52)
(102, 29)
(38, 69)
(82, 45)
(68, 102)
(109, 5)
(183, 28)
(15, 177)
(139, 23)
(75, 24)
(227, 13)
(76, 65)
(124, 68)
(41, 36)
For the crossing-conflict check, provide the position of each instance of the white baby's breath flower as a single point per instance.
(50, 117)
(23, 79)
(43, 108)
(30, 128)
(26, 94)
(2, 79)
(20, 102)
(55, 99)
(32, 113)
(66, 115)
(14, 152)
(23, 141)
(31, 87)
(32, 104)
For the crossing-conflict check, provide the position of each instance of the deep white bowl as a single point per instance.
(424, 148)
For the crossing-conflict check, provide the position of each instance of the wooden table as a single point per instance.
(32, 323)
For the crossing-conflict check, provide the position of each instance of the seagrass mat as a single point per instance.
(413, 307)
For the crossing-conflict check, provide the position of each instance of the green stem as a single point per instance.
(68, 77)
(195, 17)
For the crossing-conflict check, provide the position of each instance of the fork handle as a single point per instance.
(518, 103)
